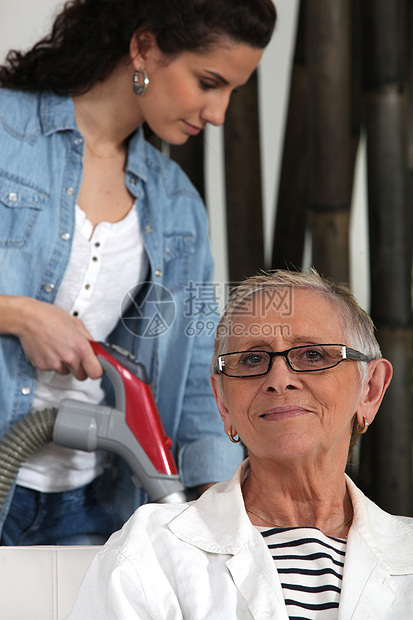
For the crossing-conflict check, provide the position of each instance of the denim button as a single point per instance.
(12, 197)
(158, 273)
(65, 236)
(78, 141)
(26, 390)
(70, 191)
(147, 229)
(49, 287)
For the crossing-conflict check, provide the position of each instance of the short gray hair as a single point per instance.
(357, 324)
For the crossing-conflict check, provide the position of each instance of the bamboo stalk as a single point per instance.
(390, 214)
(389, 448)
(331, 148)
(243, 183)
(410, 81)
(390, 434)
(292, 202)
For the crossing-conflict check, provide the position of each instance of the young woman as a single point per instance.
(97, 224)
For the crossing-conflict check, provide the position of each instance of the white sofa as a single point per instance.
(40, 583)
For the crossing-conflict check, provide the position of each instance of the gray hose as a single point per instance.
(20, 441)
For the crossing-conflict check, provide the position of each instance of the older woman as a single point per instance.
(297, 375)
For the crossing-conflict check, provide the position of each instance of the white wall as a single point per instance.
(23, 22)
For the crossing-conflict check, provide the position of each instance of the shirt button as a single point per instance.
(65, 236)
(95, 258)
(132, 182)
(87, 286)
(12, 197)
(49, 287)
(78, 141)
(26, 390)
(147, 229)
(158, 273)
(70, 191)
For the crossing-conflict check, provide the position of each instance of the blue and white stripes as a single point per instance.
(310, 566)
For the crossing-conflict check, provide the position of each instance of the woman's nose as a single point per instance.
(214, 112)
(281, 377)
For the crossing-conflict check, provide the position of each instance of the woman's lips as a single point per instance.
(283, 412)
(192, 129)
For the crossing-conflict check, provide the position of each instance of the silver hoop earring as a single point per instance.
(139, 89)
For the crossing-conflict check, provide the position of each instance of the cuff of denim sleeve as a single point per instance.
(211, 459)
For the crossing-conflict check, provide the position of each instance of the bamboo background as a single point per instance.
(351, 81)
(352, 75)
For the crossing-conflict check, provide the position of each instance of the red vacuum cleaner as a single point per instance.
(132, 429)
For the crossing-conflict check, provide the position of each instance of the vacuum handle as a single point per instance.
(91, 427)
(134, 397)
(109, 352)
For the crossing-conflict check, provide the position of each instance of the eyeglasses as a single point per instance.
(308, 358)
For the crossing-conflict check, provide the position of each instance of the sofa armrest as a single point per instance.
(41, 583)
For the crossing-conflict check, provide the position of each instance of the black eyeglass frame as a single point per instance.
(347, 352)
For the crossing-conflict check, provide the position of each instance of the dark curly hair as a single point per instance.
(90, 37)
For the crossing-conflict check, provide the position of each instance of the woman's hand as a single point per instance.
(52, 338)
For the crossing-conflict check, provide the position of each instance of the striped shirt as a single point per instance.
(310, 566)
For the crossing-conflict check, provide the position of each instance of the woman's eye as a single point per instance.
(312, 355)
(207, 85)
(252, 359)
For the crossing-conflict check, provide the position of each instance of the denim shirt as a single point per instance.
(40, 175)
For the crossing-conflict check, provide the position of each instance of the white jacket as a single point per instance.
(206, 561)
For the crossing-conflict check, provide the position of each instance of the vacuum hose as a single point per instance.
(22, 440)
(132, 429)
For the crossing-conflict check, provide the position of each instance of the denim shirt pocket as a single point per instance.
(179, 248)
(20, 205)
